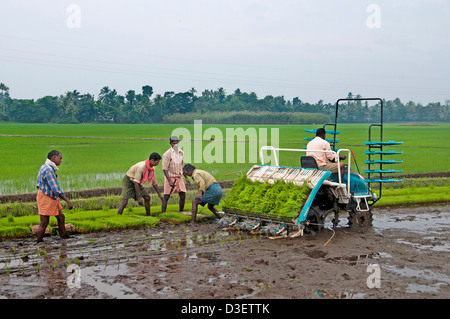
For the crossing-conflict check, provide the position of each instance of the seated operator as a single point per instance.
(323, 158)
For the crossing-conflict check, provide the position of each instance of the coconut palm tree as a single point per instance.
(4, 88)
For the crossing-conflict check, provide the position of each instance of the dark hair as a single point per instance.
(320, 132)
(188, 168)
(53, 153)
(155, 157)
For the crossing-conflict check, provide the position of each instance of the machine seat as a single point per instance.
(308, 162)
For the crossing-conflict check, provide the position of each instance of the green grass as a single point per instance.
(85, 221)
(414, 195)
(95, 220)
(106, 219)
(17, 209)
(103, 218)
(94, 162)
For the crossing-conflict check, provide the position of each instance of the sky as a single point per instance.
(313, 50)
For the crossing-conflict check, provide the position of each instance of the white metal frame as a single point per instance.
(271, 148)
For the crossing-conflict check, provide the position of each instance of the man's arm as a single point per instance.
(199, 195)
(329, 155)
(156, 188)
(53, 183)
(166, 173)
(69, 204)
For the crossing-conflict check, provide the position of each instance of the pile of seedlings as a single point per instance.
(280, 199)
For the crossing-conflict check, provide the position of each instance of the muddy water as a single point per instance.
(404, 255)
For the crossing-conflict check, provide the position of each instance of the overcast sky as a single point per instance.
(314, 50)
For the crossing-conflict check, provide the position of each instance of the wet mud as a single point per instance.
(405, 254)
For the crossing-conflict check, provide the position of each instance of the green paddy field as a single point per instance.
(98, 155)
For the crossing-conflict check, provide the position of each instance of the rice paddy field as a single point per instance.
(98, 155)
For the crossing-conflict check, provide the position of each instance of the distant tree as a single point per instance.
(74, 107)
(4, 88)
(147, 90)
(3, 95)
(131, 96)
(157, 109)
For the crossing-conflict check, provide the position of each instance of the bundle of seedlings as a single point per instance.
(280, 200)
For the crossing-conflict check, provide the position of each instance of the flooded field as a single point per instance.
(404, 255)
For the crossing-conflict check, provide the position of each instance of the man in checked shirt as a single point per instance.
(172, 166)
(49, 194)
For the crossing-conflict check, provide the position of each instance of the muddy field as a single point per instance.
(405, 254)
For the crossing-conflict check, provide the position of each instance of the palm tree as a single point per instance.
(4, 88)
(131, 97)
(192, 91)
(104, 93)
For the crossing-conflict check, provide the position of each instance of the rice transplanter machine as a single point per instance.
(330, 193)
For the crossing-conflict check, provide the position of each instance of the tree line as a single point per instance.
(170, 107)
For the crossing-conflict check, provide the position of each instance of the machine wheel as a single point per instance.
(360, 219)
(316, 218)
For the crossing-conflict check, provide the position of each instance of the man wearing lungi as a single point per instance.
(209, 191)
(49, 194)
(172, 166)
(134, 180)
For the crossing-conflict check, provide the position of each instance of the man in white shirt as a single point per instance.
(323, 158)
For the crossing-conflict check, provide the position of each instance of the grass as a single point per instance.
(415, 195)
(95, 221)
(97, 162)
(106, 219)
(17, 209)
(102, 218)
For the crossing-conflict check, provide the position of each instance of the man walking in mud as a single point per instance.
(133, 181)
(49, 194)
(172, 165)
